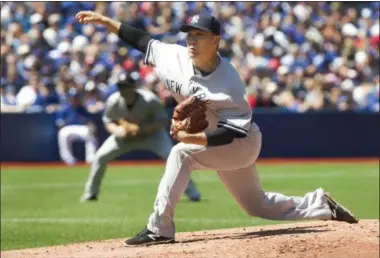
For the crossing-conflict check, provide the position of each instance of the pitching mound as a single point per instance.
(311, 239)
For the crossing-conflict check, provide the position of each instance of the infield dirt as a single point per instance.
(306, 239)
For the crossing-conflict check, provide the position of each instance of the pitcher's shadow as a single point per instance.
(264, 233)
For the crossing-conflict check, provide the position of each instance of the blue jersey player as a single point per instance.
(74, 123)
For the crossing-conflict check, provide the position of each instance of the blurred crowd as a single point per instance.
(293, 56)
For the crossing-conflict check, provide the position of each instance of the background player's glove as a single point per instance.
(189, 116)
(120, 132)
(131, 129)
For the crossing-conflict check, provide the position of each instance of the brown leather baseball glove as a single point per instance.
(190, 116)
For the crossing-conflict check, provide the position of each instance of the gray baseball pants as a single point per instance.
(235, 165)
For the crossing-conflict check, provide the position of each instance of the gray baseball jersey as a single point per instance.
(146, 110)
(223, 89)
(235, 163)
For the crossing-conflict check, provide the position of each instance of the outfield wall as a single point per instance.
(33, 137)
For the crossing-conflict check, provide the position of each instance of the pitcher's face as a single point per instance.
(201, 43)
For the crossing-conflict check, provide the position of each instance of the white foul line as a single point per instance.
(128, 220)
(204, 178)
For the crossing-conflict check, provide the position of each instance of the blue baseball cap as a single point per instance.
(202, 22)
(127, 80)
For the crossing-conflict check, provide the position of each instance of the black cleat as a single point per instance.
(89, 199)
(147, 237)
(195, 198)
(339, 212)
(192, 192)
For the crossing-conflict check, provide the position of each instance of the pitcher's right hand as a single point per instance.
(86, 17)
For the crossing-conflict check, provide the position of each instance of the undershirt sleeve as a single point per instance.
(138, 39)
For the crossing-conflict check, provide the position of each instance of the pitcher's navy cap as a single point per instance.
(202, 22)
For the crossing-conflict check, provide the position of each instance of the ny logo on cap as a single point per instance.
(195, 19)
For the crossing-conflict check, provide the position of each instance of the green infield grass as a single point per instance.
(40, 205)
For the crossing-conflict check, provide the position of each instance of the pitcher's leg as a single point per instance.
(182, 160)
(171, 188)
(161, 144)
(109, 150)
(244, 185)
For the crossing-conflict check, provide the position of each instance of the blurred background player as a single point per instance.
(74, 123)
(146, 120)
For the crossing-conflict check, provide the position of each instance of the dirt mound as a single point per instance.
(311, 239)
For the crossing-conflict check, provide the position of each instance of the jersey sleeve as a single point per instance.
(236, 114)
(236, 120)
(159, 53)
(109, 112)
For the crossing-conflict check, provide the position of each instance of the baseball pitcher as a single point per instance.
(74, 123)
(231, 142)
(136, 120)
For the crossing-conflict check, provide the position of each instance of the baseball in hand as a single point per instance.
(121, 132)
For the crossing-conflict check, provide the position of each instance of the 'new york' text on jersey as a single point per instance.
(222, 89)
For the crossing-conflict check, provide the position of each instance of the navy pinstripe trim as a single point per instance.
(146, 59)
(233, 127)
